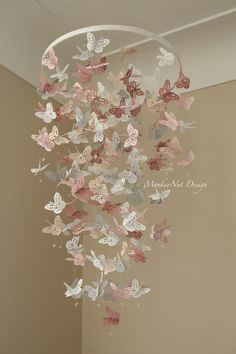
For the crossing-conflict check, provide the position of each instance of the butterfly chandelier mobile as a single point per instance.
(95, 117)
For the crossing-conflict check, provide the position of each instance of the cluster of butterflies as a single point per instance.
(90, 171)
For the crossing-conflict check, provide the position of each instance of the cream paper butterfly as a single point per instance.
(57, 206)
(48, 115)
(132, 139)
(56, 229)
(96, 184)
(82, 157)
(56, 138)
(102, 196)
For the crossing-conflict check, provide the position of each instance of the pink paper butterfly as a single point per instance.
(112, 318)
(185, 103)
(166, 94)
(47, 88)
(43, 139)
(132, 139)
(118, 111)
(50, 60)
(169, 120)
(160, 231)
(78, 259)
(137, 254)
(189, 159)
(119, 294)
(183, 81)
(172, 148)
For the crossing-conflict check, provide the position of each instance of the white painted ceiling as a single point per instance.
(27, 27)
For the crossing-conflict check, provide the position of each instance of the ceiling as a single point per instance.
(27, 27)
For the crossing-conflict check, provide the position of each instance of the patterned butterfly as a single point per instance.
(131, 224)
(96, 154)
(118, 111)
(50, 60)
(166, 94)
(133, 135)
(94, 45)
(48, 114)
(183, 81)
(55, 229)
(160, 231)
(57, 205)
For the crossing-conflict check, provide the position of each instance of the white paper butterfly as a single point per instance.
(101, 263)
(61, 75)
(48, 115)
(77, 136)
(72, 245)
(57, 206)
(99, 131)
(118, 185)
(131, 224)
(124, 209)
(130, 176)
(167, 58)
(84, 54)
(109, 175)
(81, 121)
(135, 157)
(95, 260)
(118, 264)
(76, 172)
(40, 168)
(137, 290)
(92, 292)
(139, 245)
(185, 125)
(132, 139)
(96, 46)
(112, 144)
(159, 197)
(74, 291)
(111, 239)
